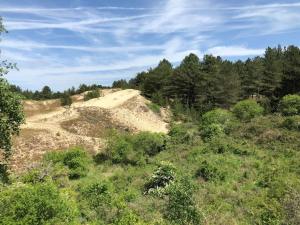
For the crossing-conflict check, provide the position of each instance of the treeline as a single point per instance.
(214, 82)
(46, 93)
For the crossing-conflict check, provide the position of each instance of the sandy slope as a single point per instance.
(46, 130)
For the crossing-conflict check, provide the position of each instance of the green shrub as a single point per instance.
(91, 95)
(76, 160)
(127, 217)
(223, 145)
(120, 150)
(217, 116)
(247, 109)
(149, 143)
(163, 176)
(66, 100)
(36, 204)
(290, 105)
(95, 201)
(185, 133)
(181, 207)
(210, 172)
(292, 123)
(212, 131)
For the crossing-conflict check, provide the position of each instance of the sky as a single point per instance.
(65, 43)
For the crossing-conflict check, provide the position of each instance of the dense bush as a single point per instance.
(149, 143)
(76, 160)
(181, 207)
(163, 176)
(210, 172)
(120, 150)
(66, 100)
(95, 201)
(36, 204)
(183, 133)
(292, 123)
(217, 116)
(92, 94)
(247, 109)
(212, 131)
(290, 105)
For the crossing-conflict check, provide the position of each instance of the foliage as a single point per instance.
(212, 131)
(247, 109)
(66, 100)
(76, 160)
(95, 200)
(183, 133)
(123, 84)
(40, 203)
(210, 172)
(162, 177)
(149, 143)
(290, 105)
(180, 207)
(92, 94)
(292, 123)
(154, 107)
(217, 116)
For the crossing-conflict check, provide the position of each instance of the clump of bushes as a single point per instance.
(181, 207)
(66, 100)
(76, 160)
(134, 149)
(185, 133)
(91, 94)
(215, 123)
(95, 199)
(212, 131)
(210, 172)
(247, 109)
(35, 204)
(290, 105)
(149, 143)
(217, 116)
(292, 123)
(162, 177)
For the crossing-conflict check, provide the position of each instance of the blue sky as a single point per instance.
(65, 43)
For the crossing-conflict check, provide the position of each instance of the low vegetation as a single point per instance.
(245, 173)
(91, 94)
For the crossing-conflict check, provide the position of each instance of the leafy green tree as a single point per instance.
(251, 77)
(227, 86)
(156, 78)
(273, 71)
(11, 110)
(185, 82)
(46, 92)
(291, 71)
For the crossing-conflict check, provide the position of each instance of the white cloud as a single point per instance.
(234, 51)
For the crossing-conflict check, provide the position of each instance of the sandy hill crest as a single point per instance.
(52, 127)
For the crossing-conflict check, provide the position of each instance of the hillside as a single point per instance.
(86, 123)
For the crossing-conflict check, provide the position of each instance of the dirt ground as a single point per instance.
(52, 127)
